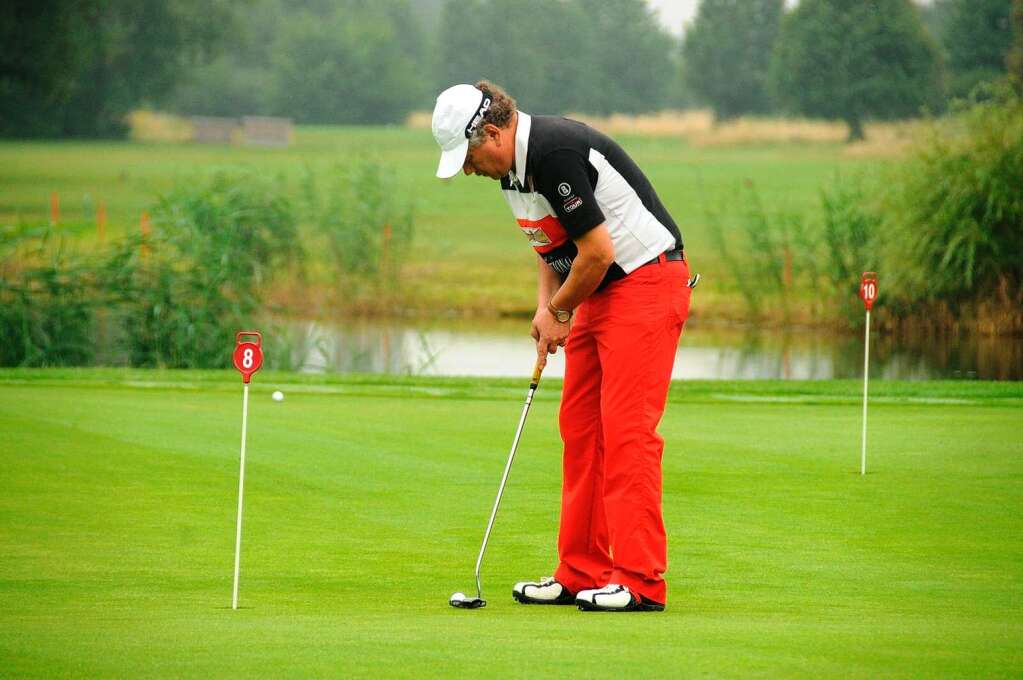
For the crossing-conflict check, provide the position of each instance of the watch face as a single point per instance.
(564, 316)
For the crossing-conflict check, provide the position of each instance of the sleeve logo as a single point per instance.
(536, 236)
(572, 203)
(564, 189)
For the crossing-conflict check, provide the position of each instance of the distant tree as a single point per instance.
(680, 94)
(346, 67)
(37, 64)
(726, 54)
(238, 81)
(1014, 60)
(427, 13)
(934, 16)
(76, 67)
(462, 45)
(228, 86)
(976, 35)
(855, 60)
(631, 54)
(574, 55)
(304, 59)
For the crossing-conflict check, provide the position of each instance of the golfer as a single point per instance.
(612, 290)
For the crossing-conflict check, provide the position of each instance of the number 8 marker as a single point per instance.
(248, 356)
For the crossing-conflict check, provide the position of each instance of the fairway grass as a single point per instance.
(366, 499)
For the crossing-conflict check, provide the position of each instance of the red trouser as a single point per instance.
(618, 362)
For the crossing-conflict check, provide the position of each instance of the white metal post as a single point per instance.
(866, 368)
(241, 490)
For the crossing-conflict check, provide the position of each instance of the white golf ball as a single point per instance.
(277, 396)
(457, 597)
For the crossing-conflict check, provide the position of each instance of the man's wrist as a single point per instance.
(561, 315)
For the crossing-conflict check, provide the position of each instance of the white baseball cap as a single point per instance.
(459, 111)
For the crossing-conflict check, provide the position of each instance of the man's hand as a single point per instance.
(549, 333)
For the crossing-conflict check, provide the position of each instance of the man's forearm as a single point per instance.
(547, 283)
(586, 274)
(595, 254)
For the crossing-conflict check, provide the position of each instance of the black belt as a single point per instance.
(669, 256)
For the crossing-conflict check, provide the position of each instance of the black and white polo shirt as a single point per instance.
(569, 178)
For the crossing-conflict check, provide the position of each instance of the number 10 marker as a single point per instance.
(248, 357)
(868, 292)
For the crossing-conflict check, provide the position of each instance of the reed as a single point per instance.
(180, 292)
(954, 210)
(47, 305)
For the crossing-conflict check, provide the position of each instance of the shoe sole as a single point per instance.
(585, 606)
(522, 598)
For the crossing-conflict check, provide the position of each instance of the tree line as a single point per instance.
(848, 60)
(75, 67)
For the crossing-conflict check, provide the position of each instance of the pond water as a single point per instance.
(503, 348)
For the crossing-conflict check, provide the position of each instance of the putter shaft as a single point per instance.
(504, 478)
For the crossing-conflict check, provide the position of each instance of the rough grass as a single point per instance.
(366, 499)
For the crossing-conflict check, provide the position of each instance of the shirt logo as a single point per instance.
(561, 265)
(536, 236)
(564, 189)
(572, 203)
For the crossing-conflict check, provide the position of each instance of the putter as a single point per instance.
(459, 599)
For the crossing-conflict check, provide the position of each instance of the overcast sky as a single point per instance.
(674, 12)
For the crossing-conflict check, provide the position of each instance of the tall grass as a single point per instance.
(176, 295)
(181, 292)
(368, 230)
(955, 209)
(47, 309)
(793, 268)
(944, 229)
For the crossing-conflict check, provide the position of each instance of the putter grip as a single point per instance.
(537, 370)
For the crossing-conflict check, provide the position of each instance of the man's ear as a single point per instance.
(493, 132)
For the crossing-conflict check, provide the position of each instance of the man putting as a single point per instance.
(612, 290)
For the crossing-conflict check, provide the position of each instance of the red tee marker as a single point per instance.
(248, 356)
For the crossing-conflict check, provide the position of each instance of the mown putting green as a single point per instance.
(366, 499)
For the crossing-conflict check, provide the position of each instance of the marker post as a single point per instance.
(868, 293)
(248, 357)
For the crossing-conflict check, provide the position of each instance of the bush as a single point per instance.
(954, 211)
(182, 292)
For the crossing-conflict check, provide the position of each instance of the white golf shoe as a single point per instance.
(544, 591)
(615, 598)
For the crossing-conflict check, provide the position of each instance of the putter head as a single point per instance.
(460, 601)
